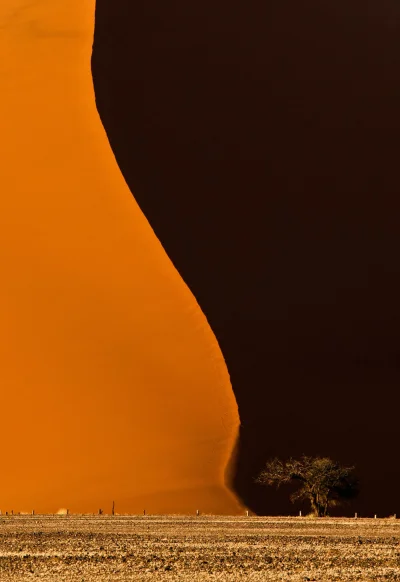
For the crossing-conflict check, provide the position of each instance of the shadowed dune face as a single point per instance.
(113, 385)
(273, 128)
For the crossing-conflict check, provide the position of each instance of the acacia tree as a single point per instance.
(323, 482)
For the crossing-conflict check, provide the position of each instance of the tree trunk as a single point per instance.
(314, 505)
(318, 508)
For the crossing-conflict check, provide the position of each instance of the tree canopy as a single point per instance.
(322, 481)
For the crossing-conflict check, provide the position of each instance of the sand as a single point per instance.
(205, 548)
(113, 386)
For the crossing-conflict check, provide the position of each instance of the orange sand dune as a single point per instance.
(113, 385)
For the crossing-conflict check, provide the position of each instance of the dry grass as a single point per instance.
(122, 548)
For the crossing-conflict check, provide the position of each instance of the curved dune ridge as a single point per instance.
(113, 384)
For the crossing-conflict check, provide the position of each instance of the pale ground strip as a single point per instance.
(196, 549)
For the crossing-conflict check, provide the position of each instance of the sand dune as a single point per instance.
(113, 384)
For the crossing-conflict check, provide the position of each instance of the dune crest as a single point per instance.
(113, 384)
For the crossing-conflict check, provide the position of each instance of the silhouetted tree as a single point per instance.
(322, 481)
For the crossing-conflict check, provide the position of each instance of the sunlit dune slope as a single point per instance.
(113, 386)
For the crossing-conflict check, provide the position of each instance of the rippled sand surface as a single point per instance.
(92, 548)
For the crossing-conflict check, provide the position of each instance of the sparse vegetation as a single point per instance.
(197, 549)
(323, 482)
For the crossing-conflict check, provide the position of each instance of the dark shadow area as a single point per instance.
(261, 140)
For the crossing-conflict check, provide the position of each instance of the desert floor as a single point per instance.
(83, 548)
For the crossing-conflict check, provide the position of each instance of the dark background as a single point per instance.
(261, 140)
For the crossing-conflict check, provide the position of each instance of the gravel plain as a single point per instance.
(84, 548)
